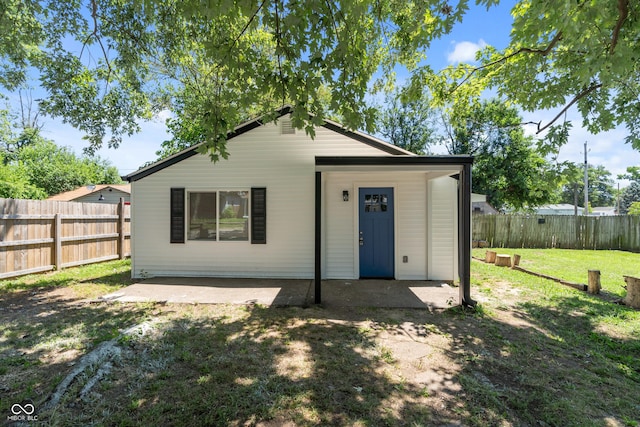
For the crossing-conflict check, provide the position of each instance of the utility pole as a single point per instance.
(586, 182)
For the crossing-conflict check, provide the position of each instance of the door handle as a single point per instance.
(361, 240)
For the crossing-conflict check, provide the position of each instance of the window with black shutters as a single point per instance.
(177, 215)
(218, 215)
(258, 215)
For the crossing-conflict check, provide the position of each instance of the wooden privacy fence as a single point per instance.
(43, 235)
(558, 231)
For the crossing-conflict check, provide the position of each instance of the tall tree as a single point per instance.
(601, 190)
(562, 54)
(407, 123)
(630, 195)
(105, 64)
(57, 169)
(508, 166)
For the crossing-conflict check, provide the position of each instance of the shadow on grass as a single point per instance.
(42, 335)
(270, 368)
(539, 364)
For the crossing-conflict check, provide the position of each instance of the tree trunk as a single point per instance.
(490, 257)
(633, 292)
(503, 260)
(594, 282)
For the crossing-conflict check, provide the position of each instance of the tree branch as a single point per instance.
(585, 92)
(543, 52)
(94, 34)
(278, 46)
(246, 26)
(623, 8)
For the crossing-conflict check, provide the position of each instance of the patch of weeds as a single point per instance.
(433, 329)
(479, 311)
(386, 355)
(136, 404)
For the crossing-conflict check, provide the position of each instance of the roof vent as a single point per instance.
(286, 128)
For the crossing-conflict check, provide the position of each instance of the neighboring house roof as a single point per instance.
(559, 206)
(555, 208)
(252, 124)
(79, 192)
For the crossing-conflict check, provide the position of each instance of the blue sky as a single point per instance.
(479, 28)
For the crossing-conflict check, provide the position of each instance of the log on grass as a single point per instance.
(633, 292)
(503, 260)
(578, 286)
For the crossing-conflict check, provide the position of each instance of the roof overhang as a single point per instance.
(434, 166)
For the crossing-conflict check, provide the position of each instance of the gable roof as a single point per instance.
(252, 124)
(68, 196)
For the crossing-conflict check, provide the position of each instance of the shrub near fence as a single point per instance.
(558, 231)
(43, 235)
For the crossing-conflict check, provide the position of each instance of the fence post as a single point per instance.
(57, 240)
(121, 228)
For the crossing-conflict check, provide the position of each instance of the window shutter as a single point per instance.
(258, 215)
(177, 215)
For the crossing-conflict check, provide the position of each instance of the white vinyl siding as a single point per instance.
(262, 157)
(443, 224)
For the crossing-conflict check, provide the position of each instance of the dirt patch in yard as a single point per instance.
(514, 361)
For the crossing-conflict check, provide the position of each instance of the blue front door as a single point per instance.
(376, 232)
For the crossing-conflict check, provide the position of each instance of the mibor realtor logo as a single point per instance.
(22, 412)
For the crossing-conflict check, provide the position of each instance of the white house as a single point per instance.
(102, 193)
(343, 205)
(603, 211)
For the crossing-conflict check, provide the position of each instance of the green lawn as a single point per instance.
(573, 265)
(534, 353)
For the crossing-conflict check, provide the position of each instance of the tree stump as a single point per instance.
(490, 257)
(503, 260)
(516, 259)
(593, 286)
(633, 292)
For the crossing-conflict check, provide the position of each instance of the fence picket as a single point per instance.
(558, 231)
(38, 235)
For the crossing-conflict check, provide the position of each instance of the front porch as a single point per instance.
(426, 237)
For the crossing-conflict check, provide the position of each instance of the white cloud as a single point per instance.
(163, 115)
(465, 51)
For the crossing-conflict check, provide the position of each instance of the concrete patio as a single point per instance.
(286, 292)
